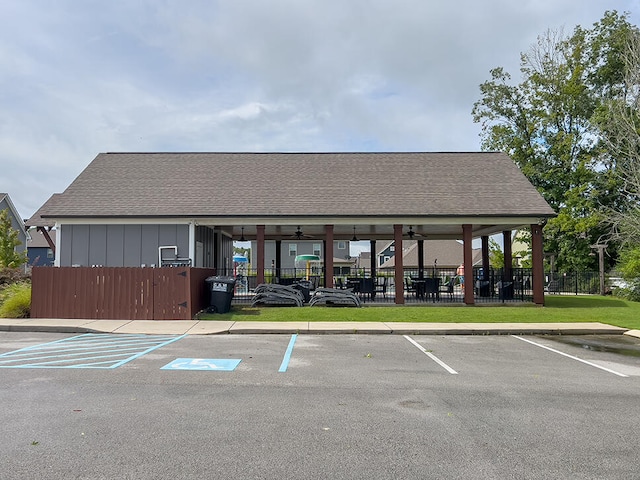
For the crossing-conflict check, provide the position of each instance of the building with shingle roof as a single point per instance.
(125, 207)
(16, 221)
(442, 254)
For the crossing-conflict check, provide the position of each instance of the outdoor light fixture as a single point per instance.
(298, 233)
(354, 239)
(242, 239)
(411, 233)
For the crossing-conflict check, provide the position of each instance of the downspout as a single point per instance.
(192, 242)
(57, 252)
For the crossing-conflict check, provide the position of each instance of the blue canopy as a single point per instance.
(240, 259)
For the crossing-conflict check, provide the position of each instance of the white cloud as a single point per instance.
(80, 78)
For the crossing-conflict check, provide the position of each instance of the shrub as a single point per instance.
(15, 301)
(629, 267)
(12, 275)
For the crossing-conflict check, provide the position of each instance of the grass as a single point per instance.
(609, 310)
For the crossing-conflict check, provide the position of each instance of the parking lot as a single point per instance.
(319, 406)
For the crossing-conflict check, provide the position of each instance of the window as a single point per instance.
(49, 253)
(317, 249)
(293, 249)
(392, 248)
(342, 245)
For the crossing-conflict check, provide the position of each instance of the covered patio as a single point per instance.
(404, 285)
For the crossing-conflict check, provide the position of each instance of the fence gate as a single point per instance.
(169, 306)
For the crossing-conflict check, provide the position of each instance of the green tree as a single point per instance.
(9, 256)
(619, 120)
(546, 123)
(496, 255)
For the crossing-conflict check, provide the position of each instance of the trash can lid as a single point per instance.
(220, 279)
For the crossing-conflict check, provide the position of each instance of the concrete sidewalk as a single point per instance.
(212, 327)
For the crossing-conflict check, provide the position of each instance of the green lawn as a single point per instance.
(610, 310)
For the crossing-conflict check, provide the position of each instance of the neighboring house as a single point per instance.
(521, 250)
(38, 249)
(386, 253)
(16, 221)
(364, 260)
(441, 254)
(343, 266)
(289, 249)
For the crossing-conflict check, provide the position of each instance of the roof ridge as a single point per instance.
(416, 152)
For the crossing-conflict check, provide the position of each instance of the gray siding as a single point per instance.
(120, 245)
(78, 238)
(206, 237)
(16, 224)
(115, 245)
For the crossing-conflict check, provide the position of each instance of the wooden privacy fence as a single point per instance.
(170, 293)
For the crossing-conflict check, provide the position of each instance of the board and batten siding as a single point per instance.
(120, 245)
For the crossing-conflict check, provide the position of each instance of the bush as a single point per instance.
(630, 292)
(12, 275)
(15, 301)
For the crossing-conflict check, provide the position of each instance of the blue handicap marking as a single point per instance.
(217, 364)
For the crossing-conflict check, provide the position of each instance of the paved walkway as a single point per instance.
(212, 327)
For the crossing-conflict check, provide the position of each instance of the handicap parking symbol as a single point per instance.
(210, 364)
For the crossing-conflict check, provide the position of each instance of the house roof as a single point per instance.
(448, 253)
(217, 186)
(37, 240)
(4, 197)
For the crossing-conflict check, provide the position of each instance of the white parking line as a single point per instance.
(570, 356)
(431, 356)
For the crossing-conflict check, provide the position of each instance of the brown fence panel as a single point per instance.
(92, 293)
(200, 293)
(179, 292)
(118, 293)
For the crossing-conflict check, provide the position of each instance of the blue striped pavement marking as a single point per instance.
(90, 350)
(287, 356)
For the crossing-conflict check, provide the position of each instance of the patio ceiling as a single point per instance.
(433, 229)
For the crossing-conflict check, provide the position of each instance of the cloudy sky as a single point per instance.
(80, 77)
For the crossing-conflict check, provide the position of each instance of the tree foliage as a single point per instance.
(9, 256)
(620, 123)
(548, 123)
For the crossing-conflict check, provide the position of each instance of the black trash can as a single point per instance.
(506, 291)
(221, 293)
(483, 288)
(305, 287)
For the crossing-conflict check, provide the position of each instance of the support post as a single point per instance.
(467, 245)
(537, 260)
(399, 267)
(278, 261)
(508, 254)
(328, 256)
(485, 258)
(420, 258)
(260, 254)
(600, 249)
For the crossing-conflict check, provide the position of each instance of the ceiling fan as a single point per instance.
(411, 233)
(298, 235)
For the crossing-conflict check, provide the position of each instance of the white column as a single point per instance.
(192, 242)
(56, 261)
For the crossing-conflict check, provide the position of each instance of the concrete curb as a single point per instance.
(633, 333)
(213, 327)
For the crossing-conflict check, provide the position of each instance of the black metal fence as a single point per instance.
(426, 286)
(576, 283)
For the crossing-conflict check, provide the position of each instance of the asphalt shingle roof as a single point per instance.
(298, 184)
